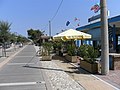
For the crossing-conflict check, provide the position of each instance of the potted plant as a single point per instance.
(89, 55)
(71, 53)
(56, 47)
(46, 48)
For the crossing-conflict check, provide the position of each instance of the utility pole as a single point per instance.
(104, 39)
(50, 29)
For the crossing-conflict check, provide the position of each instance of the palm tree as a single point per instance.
(4, 33)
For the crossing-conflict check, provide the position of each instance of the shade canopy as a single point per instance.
(72, 34)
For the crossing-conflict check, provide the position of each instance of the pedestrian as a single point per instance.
(78, 60)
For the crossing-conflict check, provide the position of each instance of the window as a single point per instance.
(118, 40)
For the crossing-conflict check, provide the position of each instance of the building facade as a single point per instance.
(95, 30)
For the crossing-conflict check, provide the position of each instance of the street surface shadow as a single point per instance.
(74, 68)
(76, 71)
(28, 66)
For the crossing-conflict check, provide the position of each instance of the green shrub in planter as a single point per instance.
(71, 49)
(92, 54)
(83, 51)
(47, 47)
(88, 53)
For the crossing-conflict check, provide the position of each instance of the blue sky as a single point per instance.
(26, 14)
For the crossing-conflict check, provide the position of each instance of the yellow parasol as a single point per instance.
(72, 34)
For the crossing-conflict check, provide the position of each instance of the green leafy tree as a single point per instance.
(22, 39)
(13, 38)
(35, 35)
(4, 33)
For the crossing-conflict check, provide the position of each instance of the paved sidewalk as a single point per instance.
(14, 75)
(58, 78)
(66, 76)
(88, 81)
(10, 53)
(113, 77)
(84, 79)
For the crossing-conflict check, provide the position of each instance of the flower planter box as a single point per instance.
(71, 58)
(90, 67)
(114, 60)
(46, 58)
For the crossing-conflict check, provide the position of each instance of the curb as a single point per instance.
(48, 85)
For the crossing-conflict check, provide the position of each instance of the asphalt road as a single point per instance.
(15, 75)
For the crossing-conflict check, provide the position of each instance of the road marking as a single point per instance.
(19, 63)
(21, 83)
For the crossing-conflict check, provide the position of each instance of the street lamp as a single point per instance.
(104, 39)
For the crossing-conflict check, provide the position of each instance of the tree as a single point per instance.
(13, 37)
(4, 32)
(35, 35)
(22, 39)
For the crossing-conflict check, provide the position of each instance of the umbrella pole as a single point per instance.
(72, 42)
(81, 42)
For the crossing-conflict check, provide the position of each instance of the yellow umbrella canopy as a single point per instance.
(72, 34)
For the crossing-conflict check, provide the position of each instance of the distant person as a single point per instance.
(78, 60)
(21, 45)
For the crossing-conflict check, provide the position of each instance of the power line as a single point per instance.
(45, 26)
(57, 10)
(54, 14)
